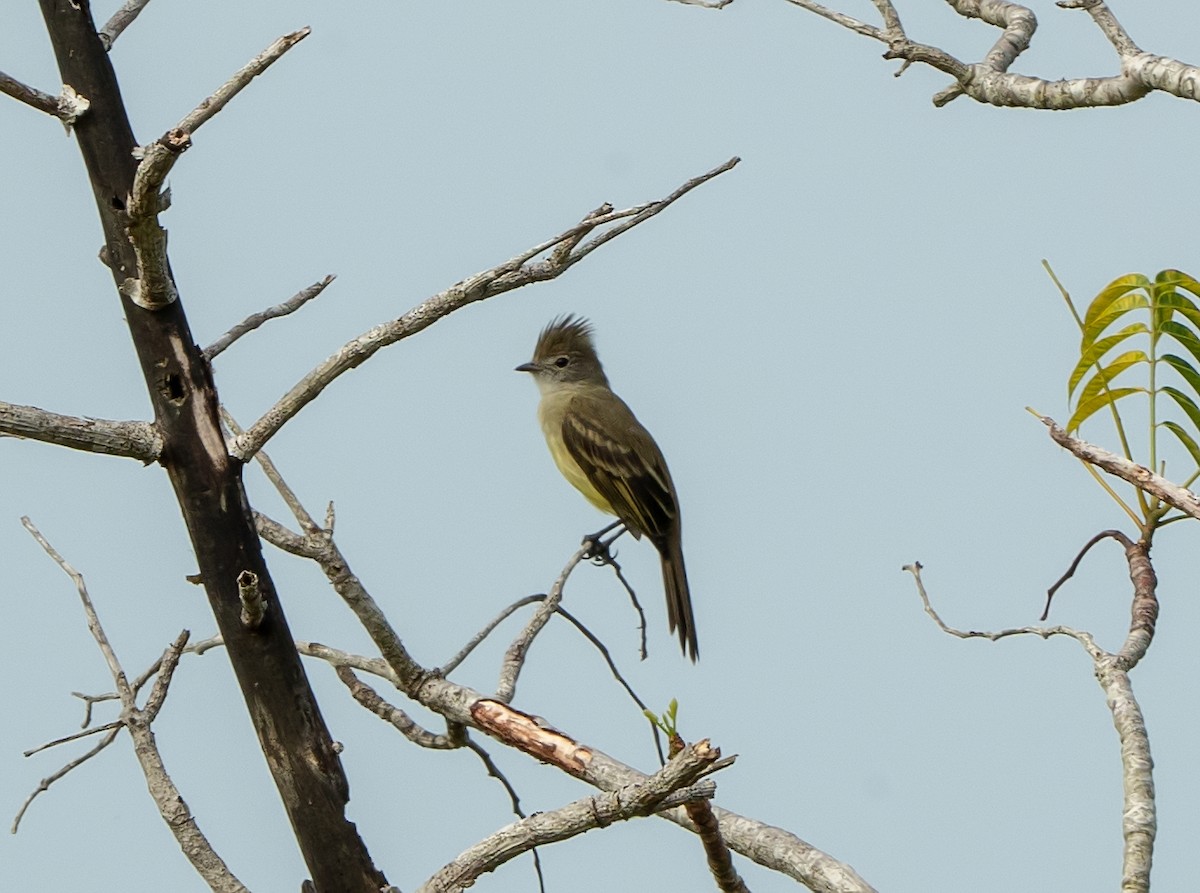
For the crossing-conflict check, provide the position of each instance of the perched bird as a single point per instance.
(606, 454)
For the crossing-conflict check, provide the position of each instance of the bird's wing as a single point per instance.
(623, 463)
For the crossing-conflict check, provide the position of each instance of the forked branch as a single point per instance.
(989, 80)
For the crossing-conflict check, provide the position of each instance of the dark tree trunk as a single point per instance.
(208, 486)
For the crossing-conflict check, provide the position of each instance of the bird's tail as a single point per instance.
(679, 599)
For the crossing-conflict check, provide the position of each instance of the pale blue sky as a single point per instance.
(832, 343)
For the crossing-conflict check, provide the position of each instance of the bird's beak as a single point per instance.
(527, 367)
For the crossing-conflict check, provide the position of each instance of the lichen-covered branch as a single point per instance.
(1138, 475)
(639, 798)
(990, 81)
(136, 440)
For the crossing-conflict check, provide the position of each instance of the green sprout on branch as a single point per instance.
(1128, 333)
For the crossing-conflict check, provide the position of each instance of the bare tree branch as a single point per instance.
(137, 721)
(451, 665)
(44, 784)
(154, 287)
(31, 96)
(1139, 814)
(121, 19)
(1138, 475)
(254, 320)
(135, 440)
(639, 798)
(514, 657)
(370, 699)
(513, 273)
(989, 81)
(707, 4)
(771, 847)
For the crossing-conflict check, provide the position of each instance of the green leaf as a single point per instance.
(1185, 369)
(1168, 302)
(1098, 349)
(1088, 407)
(1115, 310)
(1105, 374)
(1185, 336)
(1186, 403)
(1186, 439)
(1113, 292)
(1177, 279)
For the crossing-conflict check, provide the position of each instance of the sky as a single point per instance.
(834, 345)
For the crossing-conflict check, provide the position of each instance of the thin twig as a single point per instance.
(707, 4)
(612, 667)
(607, 558)
(451, 665)
(137, 722)
(93, 620)
(514, 657)
(1104, 534)
(95, 730)
(1085, 639)
(44, 784)
(254, 320)
(841, 19)
(335, 657)
(299, 512)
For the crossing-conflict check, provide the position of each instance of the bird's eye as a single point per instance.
(561, 362)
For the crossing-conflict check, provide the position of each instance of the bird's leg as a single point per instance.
(597, 546)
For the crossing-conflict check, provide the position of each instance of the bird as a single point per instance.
(603, 451)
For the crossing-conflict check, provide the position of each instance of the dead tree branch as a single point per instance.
(31, 96)
(138, 720)
(153, 287)
(254, 320)
(989, 80)
(1138, 475)
(1139, 817)
(135, 440)
(120, 20)
(640, 798)
(513, 273)
(207, 483)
